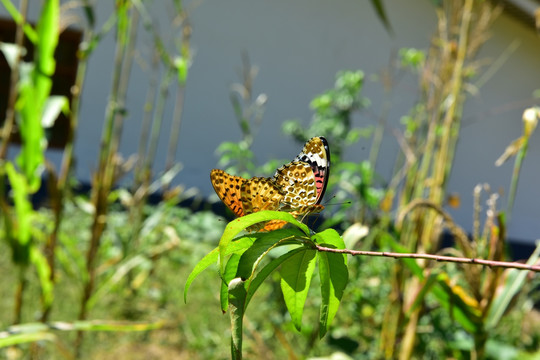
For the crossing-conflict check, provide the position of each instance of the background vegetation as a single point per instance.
(100, 274)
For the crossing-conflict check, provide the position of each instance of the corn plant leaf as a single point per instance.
(514, 283)
(34, 92)
(467, 317)
(334, 277)
(296, 273)
(452, 299)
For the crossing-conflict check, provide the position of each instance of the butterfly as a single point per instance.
(296, 187)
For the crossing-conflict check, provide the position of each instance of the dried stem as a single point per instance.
(440, 258)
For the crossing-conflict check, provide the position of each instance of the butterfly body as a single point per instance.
(296, 187)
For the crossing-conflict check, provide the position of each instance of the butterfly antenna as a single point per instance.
(328, 202)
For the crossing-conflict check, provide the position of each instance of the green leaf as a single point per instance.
(397, 247)
(465, 316)
(237, 300)
(244, 264)
(514, 283)
(334, 278)
(259, 277)
(120, 272)
(266, 242)
(230, 273)
(296, 273)
(239, 245)
(48, 32)
(427, 285)
(17, 339)
(34, 92)
(23, 209)
(241, 223)
(469, 317)
(44, 275)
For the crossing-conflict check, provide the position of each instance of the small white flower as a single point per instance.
(530, 120)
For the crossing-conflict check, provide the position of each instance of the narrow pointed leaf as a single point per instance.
(449, 297)
(515, 281)
(427, 285)
(252, 256)
(334, 277)
(211, 258)
(260, 276)
(442, 293)
(237, 299)
(296, 274)
(226, 276)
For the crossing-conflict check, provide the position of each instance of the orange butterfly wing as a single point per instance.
(228, 188)
(259, 194)
(296, 187)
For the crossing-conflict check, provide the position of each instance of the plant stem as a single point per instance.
(6, 135)
(515, 176)
(438, 258)
(59, 189)
(180, 94)
(104, 178)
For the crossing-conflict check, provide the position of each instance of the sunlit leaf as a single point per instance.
(296, 273)
(17, 339)
(261, 246)
(241, 223)
(226, 276)
(211, 258)
(237, 300)
(267, 269)
(514, 283)
(334, 276)
(23, 209)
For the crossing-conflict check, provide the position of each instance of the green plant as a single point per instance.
(37, 242)
(30, 86)
(243, 267)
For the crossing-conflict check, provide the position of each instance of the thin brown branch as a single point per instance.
(471, 261)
